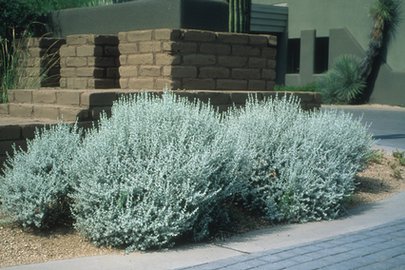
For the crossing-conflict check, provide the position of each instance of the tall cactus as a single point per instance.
(239, 14)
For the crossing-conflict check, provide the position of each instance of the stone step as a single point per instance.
(58, 102)
(15, 131)
(105, 98)
(49, 111)
(65, 97)
(67, 105)
(46, 96)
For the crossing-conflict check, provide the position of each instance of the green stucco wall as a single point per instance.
(347, 23)
(322, 15)
(141, 14)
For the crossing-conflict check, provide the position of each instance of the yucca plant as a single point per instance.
(385, 14)
(342, 83)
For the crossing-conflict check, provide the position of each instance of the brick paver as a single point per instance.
(381, 247)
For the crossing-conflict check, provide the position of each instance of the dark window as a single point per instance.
(321, 55)
(293, 55)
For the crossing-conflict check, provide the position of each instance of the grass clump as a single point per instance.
(14, 71)
(311, 87)
(12, 56)
(376, 156)
(400, 156)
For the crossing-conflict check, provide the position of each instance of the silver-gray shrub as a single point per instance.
(156, 170)
(36, 182)
(302, 164)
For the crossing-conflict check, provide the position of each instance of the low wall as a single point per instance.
(17, 134)
(42, 62)
(172, 58)
(89, 62)
(96, 101)
(193, 59)
(99, 100)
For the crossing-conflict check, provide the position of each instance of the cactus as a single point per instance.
(239, 11)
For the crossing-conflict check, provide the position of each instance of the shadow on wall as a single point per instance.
(141, 14)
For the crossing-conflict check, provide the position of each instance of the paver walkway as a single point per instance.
(381, 247)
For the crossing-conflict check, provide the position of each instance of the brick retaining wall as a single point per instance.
(155, 59)
(89, 62)
(42, 62)
(194, 59)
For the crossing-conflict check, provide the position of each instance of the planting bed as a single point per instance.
(19, 246)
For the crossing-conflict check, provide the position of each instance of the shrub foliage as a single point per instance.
(302, 164)
(157, 169)
(161, 168)
(36, 183)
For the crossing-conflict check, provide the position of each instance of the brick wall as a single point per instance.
(193, 59)
(154, 59)
(42, 62)
(89, 62)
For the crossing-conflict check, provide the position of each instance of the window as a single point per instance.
(293, 55)
(321, 60)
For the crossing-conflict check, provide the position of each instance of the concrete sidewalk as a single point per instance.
(356, 235)
(381, 247)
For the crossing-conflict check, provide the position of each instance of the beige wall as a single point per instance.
(195, 59)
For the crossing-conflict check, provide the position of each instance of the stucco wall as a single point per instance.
(322, 15)
(141, 14)
(347, 23)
